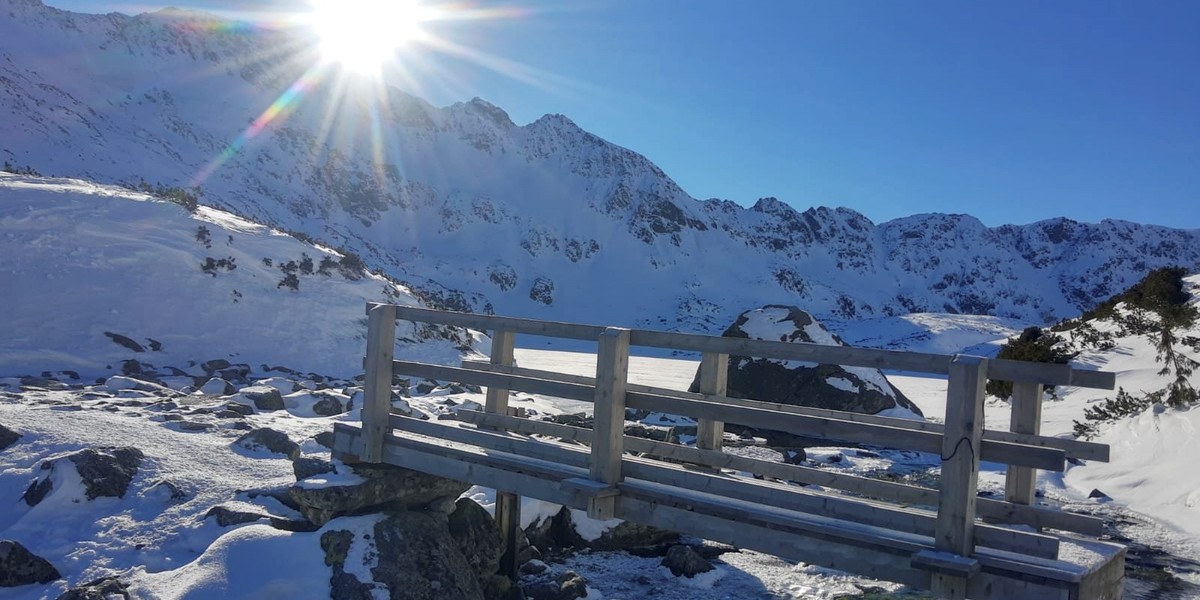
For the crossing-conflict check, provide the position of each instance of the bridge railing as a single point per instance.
(960, 442)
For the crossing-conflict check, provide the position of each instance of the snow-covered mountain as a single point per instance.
(99, 280)
(476, 212)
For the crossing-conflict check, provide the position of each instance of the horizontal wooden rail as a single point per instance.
(996, 510)
(917, 362)
(833, 543)
(920, 522)
(1073, 448)
(1050, 459)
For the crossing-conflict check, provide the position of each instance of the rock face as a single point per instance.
(19, 566)
(104, 471)
(418, 556)
(380, 486)
(8, 437)
(853, 389)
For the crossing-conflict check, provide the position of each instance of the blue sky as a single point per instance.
(1011, 111)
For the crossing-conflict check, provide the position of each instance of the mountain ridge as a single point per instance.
(542, 220)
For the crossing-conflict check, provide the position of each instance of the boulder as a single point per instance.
(104, 471)
(378, 486)
(853, 389)
(567, 586)
(269, 440)
(304, 467)
(413, 555)
(683, 561)
(216, 386)
(477, 537)
(19, 566)
(8, 437)
(264, 397)
(105, 588)
(327, 405)
(559, 532)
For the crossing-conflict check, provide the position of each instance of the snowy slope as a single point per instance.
(475, 211)
(79, 261)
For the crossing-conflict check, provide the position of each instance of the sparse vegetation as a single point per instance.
(189, 198)
(204, 236)
(1034, 344)
(211, 265)
(27, 170)
(1158, 308)
(290, 281)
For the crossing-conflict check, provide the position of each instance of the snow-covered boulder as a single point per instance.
(100, 472)
(853, 389)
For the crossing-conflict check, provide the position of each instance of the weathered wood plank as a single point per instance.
(532, 385)
(1020, 483)
(1072, 448)
(996, 510)
(844, 355)
(917, 521)
(875, 552)
(377, 393)
(503, 343)
(714, 378)
(573, 331)
(612, 372)
(1050, 459)
(959, 482)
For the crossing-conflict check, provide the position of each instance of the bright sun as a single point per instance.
(363, 34)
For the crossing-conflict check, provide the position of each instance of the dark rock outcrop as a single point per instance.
(683, 561)
(414, 556)
(478, 538)
(852, 389)
(558, 532)
(270, 440)
(8, 437)
(383, 486)
(19, 566)
(105, 588)
(264, 397)
(567, 586)
(104, 471)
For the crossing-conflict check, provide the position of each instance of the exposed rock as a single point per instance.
(567, 586)
(305, 467)
(214, 365)
(542, 291)
(382, 486)
(413, 555)
(240, 409)
(19, 566)
(264, 397)
(8, 437)
(478, 538)
(558, 532)
(105, 472)
(853, 389)
(683, 561)
(216, 386)
(105, 588)
(167, 491)
(270, 440)
(226, 516)
(123, 341)
(325, 438)
(328, 405)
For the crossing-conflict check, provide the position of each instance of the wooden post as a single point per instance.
(377, 392)
(1020, 483)
(503, 343)
(612, 373)
(714, 377)
(508, 505)
(955, 529)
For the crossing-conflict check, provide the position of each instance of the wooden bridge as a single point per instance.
(947, 539)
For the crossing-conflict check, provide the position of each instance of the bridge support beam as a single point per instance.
(955, 529)
(714, 379)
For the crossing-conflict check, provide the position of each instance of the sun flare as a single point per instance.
(364, 34)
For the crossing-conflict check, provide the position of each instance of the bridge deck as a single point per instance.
(1085, 570)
